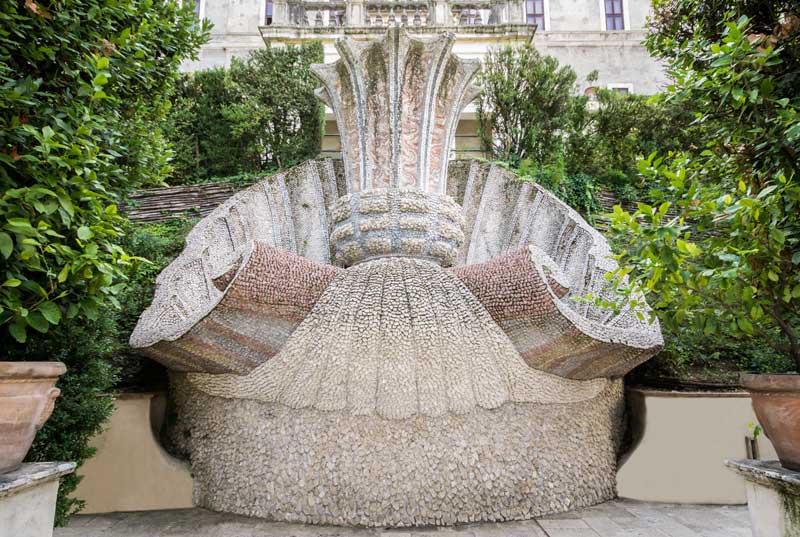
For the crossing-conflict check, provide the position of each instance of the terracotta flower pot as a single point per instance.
(776, 402)
(27, 397)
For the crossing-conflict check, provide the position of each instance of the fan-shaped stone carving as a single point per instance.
(343, 341)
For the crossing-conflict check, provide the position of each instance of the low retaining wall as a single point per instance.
(683, 439)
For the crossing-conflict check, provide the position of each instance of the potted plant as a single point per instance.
(776, 402)
(27, 397)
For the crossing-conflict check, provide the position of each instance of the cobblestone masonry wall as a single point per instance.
(515, 462)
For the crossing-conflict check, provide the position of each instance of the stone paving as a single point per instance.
(619, 518)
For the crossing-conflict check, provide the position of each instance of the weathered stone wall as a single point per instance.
(515, 462)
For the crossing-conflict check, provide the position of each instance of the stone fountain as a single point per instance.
(390, 342)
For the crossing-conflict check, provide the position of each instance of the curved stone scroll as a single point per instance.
(275, 223)
(397, 102)
(532, 293)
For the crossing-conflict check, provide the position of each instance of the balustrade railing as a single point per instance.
(471, 13)
(331, 14)
(409, 13)
(382, 13)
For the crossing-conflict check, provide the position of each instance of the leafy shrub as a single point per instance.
(83, 84)
(623, 126)
(729, 265)
(526, 106)
(99, 360)
(531, 117)
(689, 356)
(259, 115)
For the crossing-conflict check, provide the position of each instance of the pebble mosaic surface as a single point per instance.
(526, 294)
(270, 294)
(514, 462)
(403, 222)
(398, 337)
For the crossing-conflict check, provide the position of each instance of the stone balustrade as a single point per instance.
(384, 13)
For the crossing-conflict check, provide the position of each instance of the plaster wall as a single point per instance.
(30, 512)
(683, 441)
(619, 58)
(574, 15)
(131, 471)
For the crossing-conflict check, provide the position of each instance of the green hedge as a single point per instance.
(259, 115)
(84, 85)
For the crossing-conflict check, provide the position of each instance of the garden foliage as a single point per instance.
(533, 117)
(526, 105)
(729, 263)
(83, 84)
(259, 115)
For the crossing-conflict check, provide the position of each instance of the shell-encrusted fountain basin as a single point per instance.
(391, 342)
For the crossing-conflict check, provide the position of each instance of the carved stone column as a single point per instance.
(515, 12)
(440, 13)
(397, 103)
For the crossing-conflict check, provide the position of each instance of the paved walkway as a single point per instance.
(614, 519)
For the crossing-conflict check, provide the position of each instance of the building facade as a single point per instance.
(589, 35)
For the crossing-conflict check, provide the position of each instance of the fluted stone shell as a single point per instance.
(293, 212)
(397, 102)
(289, 211)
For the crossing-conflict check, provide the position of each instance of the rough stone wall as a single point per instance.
(516, 462)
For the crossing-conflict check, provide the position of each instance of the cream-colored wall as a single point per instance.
(684, 440)
(131, 471)
(467, 141)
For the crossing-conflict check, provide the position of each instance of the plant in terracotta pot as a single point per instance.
(717, 247)
(27, 397)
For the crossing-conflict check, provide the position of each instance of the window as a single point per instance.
(267, 12)
(623, 89)
(534, 13)
(615, 19)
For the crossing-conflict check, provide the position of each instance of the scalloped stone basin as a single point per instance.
(27, 397)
